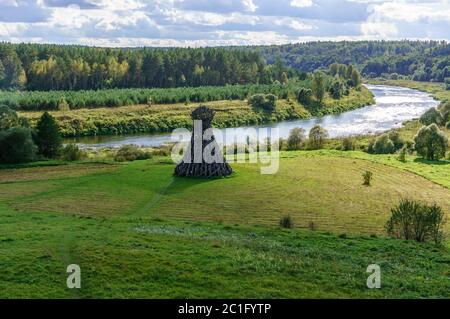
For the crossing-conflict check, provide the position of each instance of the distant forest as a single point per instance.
(61, 67)
(417, 60)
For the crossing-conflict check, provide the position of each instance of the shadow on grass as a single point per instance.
(429, 162)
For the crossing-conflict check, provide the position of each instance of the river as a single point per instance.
(393, 106)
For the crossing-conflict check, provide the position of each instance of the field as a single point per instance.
(136, 231)
(166, 117)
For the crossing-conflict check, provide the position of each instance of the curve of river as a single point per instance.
(393, 106)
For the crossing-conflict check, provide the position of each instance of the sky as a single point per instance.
(194, 23)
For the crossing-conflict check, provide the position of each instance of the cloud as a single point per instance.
(219, 22)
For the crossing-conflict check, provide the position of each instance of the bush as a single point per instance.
(16, 146)
(382, 145)
(286, 222)
(295, 139)
(348, 144)
(317, 136)
(430, 142)
(72, 152)
(131, 153)
(402, 154)
(367, 178)
(8, 118)
(413, 220)
(304, 96)
(266, 102)
(444, 108)
(337, 89)
(431, 116)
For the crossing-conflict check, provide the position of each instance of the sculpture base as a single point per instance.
(205, 170)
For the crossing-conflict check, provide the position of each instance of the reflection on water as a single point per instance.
(394, 105)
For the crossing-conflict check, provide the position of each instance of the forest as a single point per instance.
(416, 60)
(60, 67)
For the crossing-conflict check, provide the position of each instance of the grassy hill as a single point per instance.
(136, 231)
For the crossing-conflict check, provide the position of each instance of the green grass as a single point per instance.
(163, 118)
(136, 231)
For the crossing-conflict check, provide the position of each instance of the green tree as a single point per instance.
(356, 79)
(295, 139)
(430, 142)
(318, 86)
(16, 146)
(431, 116)
(48, 138)
(8, 118)
(317, 136)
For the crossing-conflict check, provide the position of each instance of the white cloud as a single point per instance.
(301, 3)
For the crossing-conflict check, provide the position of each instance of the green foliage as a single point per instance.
(317, 137)
(318, 86)
(348, 144)
(131, 153)
(367, 178)
(71, 152)
(48, 138)
(286, 222)
(382, 145)
(304, 96)
(430, 142)
(266, 102)
(337, 89)
(16, 146)
(402, 154)
(431, 116)
(8, 118)
(444, 109)
(295, 139)
(413, 220)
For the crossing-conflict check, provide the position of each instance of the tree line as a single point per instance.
(417, 60)
(61, 67)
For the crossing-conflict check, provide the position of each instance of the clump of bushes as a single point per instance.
(72, 152)
(367, 178)
(348, 144)
(16, 146)
(295, 139)
(131, 153)
(266, 102)
(317, 137)
(431, 116)
(286, 222)
(430, 142)
(414, 220)
(387, 143)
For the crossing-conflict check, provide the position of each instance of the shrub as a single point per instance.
(286, 222)
(295, 139)
(16, 146)
(337, 89)
(348, 144)
(431, 116)
(72, 152)
(402, 154)
(317, 136)
(413, 220)
(367, 178)
(304, 96)
(382, 145)
(395, 137)
(48, 138)
(444, 108)
(266, 102)
(8, 118)
(447, 126)
(131, 153)
(430, 142)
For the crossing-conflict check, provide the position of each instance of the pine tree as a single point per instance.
(48, 138)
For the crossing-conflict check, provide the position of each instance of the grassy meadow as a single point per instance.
(136, 231)
(143, 118)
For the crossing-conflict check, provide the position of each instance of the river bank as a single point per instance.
(164, 118)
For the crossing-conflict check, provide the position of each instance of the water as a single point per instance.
(393, 106)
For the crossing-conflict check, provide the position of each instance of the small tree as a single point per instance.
(63, 105)
(48, 138)
(317, 136)
(16, 146)
(318, 86)
(304, 96)
(348, 144)
(402, 154)
(367, 178)
(431, 116)
(430, 142)
(356, 79)
(383, 145)
(284, 78)
(295, 139)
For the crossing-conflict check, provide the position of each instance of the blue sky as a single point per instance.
(219, 22)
